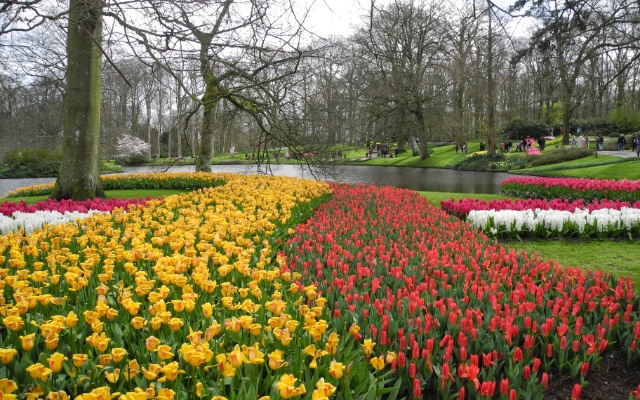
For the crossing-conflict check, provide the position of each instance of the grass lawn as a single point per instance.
(620, 170)
(620, 258)
(617, 257)
(440, 157)
(436, 197)
(118, 194)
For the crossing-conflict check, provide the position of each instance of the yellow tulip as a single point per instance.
(332, 343)
(253, 353)
(152, 343)
(232, 324)
(28, 341)
(13, 322)
(51, 341)
(7, 386)
(323, 389)
(132, 369)
(113, 376)
(156, 323)
(225, 366)
(377, 363)
(138, 322)
(171, 371)
(138, 394)
(336, 369)
(79, 360)
(255, 329)
(390, 357)
(236, 357)
(112, 313)
(353, 330)
(55, 361)
(175, 324)
(286, 386)
(199, 389)
(245, 321)
(165, 394)
(152, 373)
(118, 353)
(164, 352)
(276, 361)
(207, 310)
(39, 371)
(367, 346)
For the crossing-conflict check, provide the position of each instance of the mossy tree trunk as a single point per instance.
(79, 176)
(210, 99)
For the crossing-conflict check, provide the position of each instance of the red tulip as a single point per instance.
(584, 368)
(576, 392)
(412, 370)
(504, 386)
(517, 355)
(487, 389)
(417, 391)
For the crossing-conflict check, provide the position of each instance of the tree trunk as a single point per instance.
(566, 118)
(422, 133)
(491, 104)
(79, 176)
(210, 100)
(147, 100)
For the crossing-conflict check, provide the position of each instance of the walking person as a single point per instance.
(634, 142)
(600, 142)
(621, 142)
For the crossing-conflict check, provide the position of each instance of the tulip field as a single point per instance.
(254, 287)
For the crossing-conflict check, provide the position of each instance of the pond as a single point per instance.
(424, 179)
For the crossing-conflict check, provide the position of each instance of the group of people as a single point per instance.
(383, 151)
(461, 147)
(580, 141)
(635, 144)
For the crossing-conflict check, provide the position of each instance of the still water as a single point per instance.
(426, 179)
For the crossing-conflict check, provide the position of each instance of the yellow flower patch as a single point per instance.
(155, 299)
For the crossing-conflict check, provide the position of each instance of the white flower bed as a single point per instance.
(546, 223)
(36, 220)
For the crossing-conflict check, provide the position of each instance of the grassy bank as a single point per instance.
(620, 258)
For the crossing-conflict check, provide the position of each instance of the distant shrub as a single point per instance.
(520, 128)
(484, 162)
(30, 163)
(110, 167)
(133, 159)
(554, 156)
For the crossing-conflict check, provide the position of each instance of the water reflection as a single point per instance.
(426, 179)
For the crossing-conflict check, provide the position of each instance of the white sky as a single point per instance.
(337, 17)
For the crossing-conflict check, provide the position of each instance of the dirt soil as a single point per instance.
(611, 379)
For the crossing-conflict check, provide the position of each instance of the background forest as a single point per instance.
(411, 69)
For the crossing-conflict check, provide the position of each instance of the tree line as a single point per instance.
(196, 78)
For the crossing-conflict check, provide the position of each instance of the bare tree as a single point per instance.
(405, 40)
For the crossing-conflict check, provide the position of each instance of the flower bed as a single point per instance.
(572, 189)
(555, 218)
(174, 180)
(463, 316)
(15, 216)
(378, 294)
(7, 208)
(181, 298)
(601, 223)
(462, 207)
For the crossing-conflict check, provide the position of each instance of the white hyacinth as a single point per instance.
(555, 221)
(36, 220)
